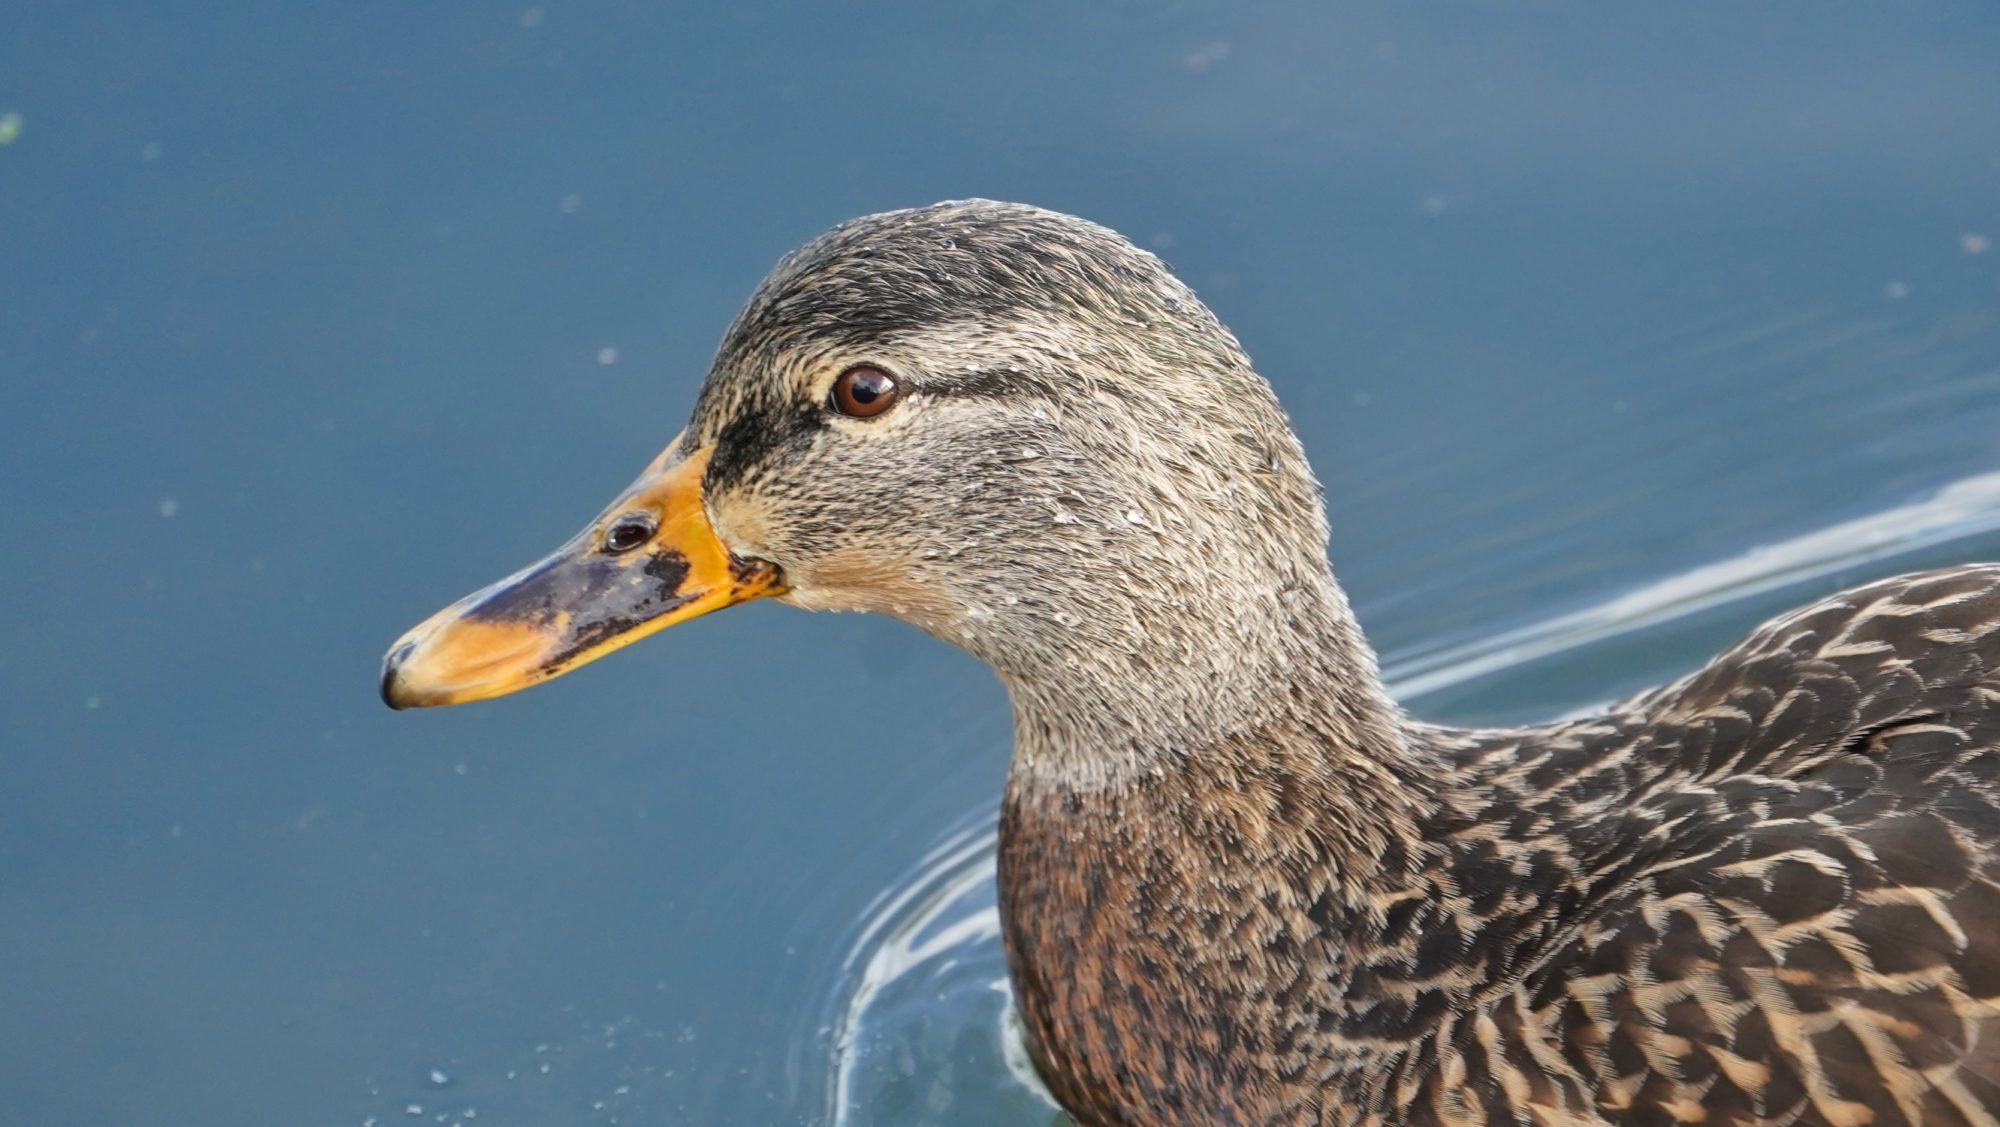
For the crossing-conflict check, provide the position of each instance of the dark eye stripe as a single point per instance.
(1001, 384)
(765, 429)
(749, 440)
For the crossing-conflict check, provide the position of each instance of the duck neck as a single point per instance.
(1171, 826)
(1275, 680)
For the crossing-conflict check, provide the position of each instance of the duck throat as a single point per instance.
(1265, 747)
(1233, 672)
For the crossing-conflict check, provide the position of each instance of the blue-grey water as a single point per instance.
(1595, 320)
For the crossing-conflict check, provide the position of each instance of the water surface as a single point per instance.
(315, 318)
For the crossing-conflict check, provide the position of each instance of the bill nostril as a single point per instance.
(630, 531)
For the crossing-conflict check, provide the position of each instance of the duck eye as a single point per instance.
(864, 392)
(629, 531)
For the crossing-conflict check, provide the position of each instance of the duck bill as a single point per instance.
(583, 601)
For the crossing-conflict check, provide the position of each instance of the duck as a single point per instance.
(1238, 884)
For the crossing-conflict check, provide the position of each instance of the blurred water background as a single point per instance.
(1610, 328)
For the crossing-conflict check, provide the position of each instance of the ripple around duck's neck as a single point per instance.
(922, 1029)
(950, 904)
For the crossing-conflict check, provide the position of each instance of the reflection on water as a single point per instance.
(922, 1031)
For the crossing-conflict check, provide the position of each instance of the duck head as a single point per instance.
(1008, 426)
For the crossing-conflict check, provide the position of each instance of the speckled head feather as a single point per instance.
(1084, 483)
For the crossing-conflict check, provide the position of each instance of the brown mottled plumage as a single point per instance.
(1239, 885)
(1762, 895)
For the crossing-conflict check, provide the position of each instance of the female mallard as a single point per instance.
(1239, 885)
